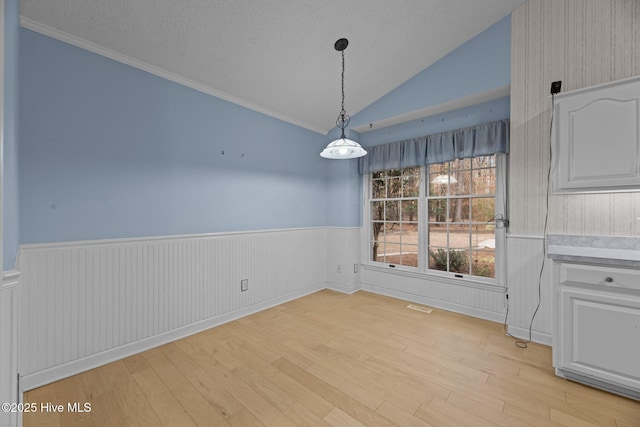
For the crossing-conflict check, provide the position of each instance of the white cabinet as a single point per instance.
(596, 337)
(597, 138)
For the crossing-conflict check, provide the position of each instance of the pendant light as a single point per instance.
(343, 148)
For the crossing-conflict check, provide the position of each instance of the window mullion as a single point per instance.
(423, 218)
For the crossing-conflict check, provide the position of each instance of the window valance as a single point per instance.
(481, 140)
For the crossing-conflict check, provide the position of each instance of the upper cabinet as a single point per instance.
(596, 139)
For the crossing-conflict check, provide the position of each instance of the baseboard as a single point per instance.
(343, 288)
(445, 305)
(523, 334)
(47, 376)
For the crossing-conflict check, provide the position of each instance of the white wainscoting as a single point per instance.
(525, 255)
(343, 259)
(485, 302)
(9, 312)
(89, 303)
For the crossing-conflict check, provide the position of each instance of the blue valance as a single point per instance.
(481, 140)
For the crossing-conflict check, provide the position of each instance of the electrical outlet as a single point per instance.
(556, 87)
(355, 268)
(244, 285)
(339, 268)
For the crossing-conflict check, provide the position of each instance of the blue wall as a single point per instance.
(109, 151)
(10, 209)
(479, 65)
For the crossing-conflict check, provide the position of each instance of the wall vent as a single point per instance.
(419, 308)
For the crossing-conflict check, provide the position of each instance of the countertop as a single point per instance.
(609, 250)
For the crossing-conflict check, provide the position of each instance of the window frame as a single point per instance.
(422, 269)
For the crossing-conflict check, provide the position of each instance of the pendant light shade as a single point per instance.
(343, 148)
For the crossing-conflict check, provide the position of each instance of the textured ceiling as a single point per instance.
(274, 56)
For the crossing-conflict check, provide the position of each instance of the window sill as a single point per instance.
(467, 281)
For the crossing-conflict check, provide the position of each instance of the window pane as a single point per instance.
(411, 186)
(378, 188)
(438, 259)
(393, 211)
(459, 236)
(409, 233)
(458, 261)
(483, 236)
(438, 210)
(409, 210)
(459, 210)
(439, 169)
(460, 183)
(452, 260)
(414, 171)
(392, 232)
(377, 249)
(484, 162)
(483, 209)
(484, 264)
(439, 185)
(484, 181)
(409, 255)
(438, 179)
(460, 164)
(438, 235)
(377, 231)
(394, 189)
(377, 211)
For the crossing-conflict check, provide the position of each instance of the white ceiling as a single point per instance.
(276, 56)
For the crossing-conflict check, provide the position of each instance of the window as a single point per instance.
(461, 201)
(439, 218)
(394, 213)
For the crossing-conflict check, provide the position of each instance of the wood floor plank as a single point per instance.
(400, 416)
(337, 418)
(194, 403)
(260, 407)
(303, 416)
(340, 400)
(162, 400)
(72, 389)
(335, 359)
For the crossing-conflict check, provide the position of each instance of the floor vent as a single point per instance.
(419, 308)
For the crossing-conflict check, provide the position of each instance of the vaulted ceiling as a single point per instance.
(274, 56)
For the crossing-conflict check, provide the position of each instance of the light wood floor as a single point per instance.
(339, 360)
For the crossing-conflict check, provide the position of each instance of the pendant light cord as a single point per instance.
(343, 111)
(343, 119)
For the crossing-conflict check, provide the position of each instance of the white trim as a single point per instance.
(467, 280)
(47, 376)
(522, 236)
(130, 240)
(343, 288)
(522, 333)
(444, 305)
(2, 42)
(594, 87)
(108, 53)
(445, 107)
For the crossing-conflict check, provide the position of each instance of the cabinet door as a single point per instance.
(597, 138)
(600, 336)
